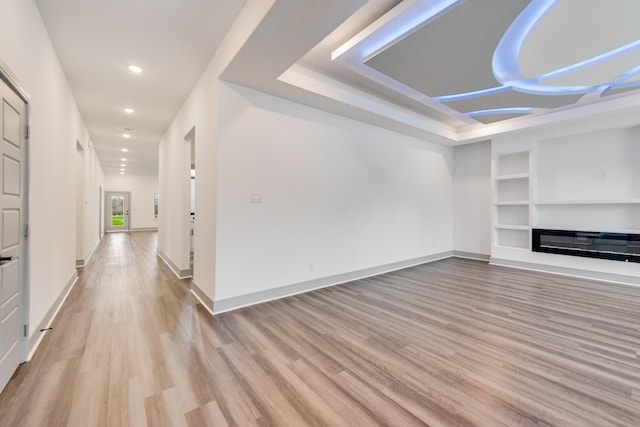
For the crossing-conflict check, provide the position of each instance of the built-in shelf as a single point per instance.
(588, 202)
(511, 248)
(511, 227)
(513, 176)
(512, 237)
(514, 203)
(512, 164)
(511, 215)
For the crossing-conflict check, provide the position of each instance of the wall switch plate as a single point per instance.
(255, 198)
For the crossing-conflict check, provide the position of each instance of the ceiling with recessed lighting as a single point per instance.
(171, 41)
(456, 71)
(448, 71)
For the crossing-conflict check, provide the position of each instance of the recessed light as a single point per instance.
(135, 69)
(122, 165)
(124, 150)
(128, 110)
(121, 170)
(126, 135)
(123, 159)
(121, 173)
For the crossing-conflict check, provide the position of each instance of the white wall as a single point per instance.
(56, 125)
(337, 195)
(472, 198)
(596, 165)
(142, 189)
(90, 178)
(94, 181)
(199, 112)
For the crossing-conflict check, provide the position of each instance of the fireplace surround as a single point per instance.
(591, 244)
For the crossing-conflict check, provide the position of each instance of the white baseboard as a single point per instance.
(567, 271)
(36, 338)
(180, 274)
(234, 303)
(471, 255)
(83, 262)
(204, 299)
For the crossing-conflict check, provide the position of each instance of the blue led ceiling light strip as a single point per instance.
(622, 50)
(404, 25)
(504, 63)
(475, 94)
(515, 110)
(505, 58)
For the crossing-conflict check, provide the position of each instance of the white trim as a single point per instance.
(195, 292)
(83, 262)
(568, 272)
(471, 255)
(10, 79)
(234, 303)
(38, 335)
(187, 273)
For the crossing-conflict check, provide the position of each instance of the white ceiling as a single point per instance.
(315, 52)
(172, 40)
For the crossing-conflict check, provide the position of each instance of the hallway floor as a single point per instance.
(454, 342)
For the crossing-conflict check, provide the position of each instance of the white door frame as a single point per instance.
(107, 211)
(10, 79)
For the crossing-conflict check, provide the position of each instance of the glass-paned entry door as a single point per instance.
(117, 215)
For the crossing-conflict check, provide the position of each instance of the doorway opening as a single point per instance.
(190, 140)
(117, 211)
(79, 204)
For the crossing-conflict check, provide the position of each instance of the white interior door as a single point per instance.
(117, 211)
(12, 227)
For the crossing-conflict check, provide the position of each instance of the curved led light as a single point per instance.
(505, 58)
(516, 110)
(627, 75)
(411, 15)
(593, 61)
(625, 85)
(470, 95)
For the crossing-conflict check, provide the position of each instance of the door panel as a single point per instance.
(11, 125)
(12, 242)
(10, 228)
(11, 176)
(10, 280)
(117, 211)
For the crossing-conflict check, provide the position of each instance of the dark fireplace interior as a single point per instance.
(591, 244)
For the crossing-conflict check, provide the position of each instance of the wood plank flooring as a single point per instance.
(451, 343)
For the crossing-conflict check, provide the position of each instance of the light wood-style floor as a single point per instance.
(450, 343)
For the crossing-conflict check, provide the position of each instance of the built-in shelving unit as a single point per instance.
(588, 202)
(598, 190)
(581, 182)
(511, 200)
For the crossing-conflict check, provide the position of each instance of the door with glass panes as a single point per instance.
(117, 211)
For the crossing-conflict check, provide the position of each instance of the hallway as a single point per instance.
(115, 342)
(453, 342)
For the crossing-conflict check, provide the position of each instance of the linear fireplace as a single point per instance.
(592, 244)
